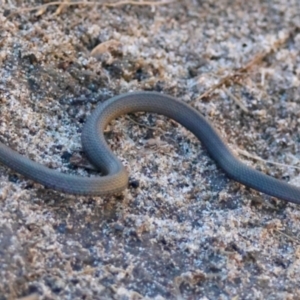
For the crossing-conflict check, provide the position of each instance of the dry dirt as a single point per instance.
(182, 230)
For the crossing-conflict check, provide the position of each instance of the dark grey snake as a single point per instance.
(115, 178)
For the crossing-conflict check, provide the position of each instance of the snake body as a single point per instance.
(115, 177)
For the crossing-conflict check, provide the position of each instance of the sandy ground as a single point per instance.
(182, 230)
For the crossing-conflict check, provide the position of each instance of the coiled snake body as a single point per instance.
(115, 178)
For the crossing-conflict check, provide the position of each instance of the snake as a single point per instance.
(114, 177)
